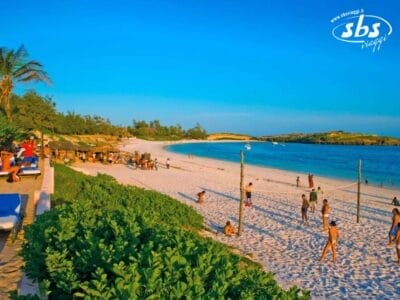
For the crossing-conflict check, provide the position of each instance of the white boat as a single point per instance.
(247, 146)
(275, 143)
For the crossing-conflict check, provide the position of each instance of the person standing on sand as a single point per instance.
(298, 181)
(247, 190)
(320, 192)
(310, 180)
(397, 239)
(313, 200)
(394, 228)
(333, 237)
(167, 163)
(325, 214)
(156, 164)
(304, 208)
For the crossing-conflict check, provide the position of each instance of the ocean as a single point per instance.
(380, 164)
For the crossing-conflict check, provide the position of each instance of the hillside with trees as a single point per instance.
(333, 138)
(31, 112)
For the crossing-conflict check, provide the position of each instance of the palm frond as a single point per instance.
(21, 70)
(35, 75)
(2, 49)
(31, 71)
(19, 57)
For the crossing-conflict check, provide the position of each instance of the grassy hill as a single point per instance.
(228, 136)
(334, 138)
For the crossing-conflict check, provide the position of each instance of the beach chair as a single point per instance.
(29, 171)
(10, 213)
(24, 171)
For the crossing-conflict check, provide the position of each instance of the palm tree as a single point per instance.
(15, 67)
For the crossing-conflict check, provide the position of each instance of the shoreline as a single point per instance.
(295, 173)
(273, 234)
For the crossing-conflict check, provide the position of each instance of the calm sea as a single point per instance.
(380, 164)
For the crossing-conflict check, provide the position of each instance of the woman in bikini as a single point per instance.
(7, 167)
(332, 241)
(304, 208)
(325, 214)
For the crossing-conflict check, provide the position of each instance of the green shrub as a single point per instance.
(108, 241)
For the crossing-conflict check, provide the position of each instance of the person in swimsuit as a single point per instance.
(6, 165)
(397, 239)
(247, 190)
(304, 208)
(332, 242)
(298, 181)
(229, 230)
(200, 197)
(325, 214)
(320, 191)
(394, 228)
(310, 181)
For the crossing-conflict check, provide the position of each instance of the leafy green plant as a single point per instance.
(8, 133)
(107, 241)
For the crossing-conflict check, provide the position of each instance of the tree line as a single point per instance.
(34, 112)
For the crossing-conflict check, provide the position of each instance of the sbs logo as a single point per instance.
(367, 30)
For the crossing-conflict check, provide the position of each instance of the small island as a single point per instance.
(333, 138)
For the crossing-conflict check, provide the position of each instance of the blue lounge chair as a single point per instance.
(10, 213)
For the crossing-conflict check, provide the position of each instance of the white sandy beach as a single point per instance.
(273, 234)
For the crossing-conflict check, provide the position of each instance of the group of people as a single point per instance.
(333, 232)
(330, 227)
(22, 156)
(311, 204)
(310, 181)
(229, 229)
(145, 162)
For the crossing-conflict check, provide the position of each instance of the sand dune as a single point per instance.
(273, 234)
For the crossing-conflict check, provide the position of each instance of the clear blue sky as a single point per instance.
(258, 67)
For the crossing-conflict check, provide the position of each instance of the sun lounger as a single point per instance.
(10, 213)
(24, 171)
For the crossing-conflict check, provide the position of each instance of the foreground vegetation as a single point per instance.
(334, 137)
(103, 240)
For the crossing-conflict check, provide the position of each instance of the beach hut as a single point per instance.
(106, 153)
(85, 152)
(63, 150)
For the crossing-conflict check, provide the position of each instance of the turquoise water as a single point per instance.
(380, 164)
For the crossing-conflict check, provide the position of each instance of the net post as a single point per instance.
(241, 192)
(358, 191)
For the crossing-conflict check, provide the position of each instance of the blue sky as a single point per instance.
(258, 67)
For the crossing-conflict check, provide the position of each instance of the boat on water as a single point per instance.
(275, 143)
(247, 146)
